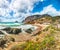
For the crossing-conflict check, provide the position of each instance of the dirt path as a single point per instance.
(12, 44)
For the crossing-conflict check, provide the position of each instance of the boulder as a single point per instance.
(12, 30)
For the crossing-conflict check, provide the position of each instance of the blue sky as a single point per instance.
(39, 7)
(18, 10)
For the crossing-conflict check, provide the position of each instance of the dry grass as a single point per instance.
(48, 39)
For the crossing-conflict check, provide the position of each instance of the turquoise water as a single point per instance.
(10, 24)
(7, 22)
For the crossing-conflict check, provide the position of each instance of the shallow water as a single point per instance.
(9, 24)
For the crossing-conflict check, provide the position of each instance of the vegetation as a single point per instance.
(48, 42)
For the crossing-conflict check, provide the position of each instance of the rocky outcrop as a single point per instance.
(42, 19)
(35, 18)
(29, 30)
(5, 40)
(12, 30)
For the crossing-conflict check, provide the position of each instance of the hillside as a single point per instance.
(41, 34)
(47, 39)
(42, 19)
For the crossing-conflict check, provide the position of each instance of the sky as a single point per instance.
(18, 10)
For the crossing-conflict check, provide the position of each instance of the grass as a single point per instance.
(48, 43)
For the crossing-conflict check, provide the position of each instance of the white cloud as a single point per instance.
(50, 10)
(19, 7)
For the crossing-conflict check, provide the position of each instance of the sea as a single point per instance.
(16, 25)
(9, 24)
